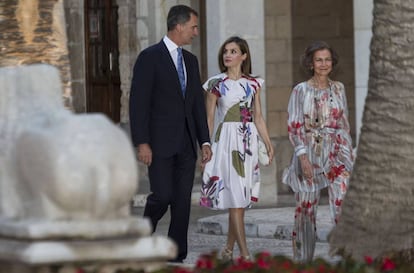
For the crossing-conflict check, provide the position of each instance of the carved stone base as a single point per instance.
(38, 229)
(148, 266)
(148, 253)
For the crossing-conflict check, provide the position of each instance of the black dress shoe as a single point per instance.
(176, 261)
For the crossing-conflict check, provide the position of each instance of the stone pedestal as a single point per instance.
(104, 246)
(66, 183)
(147, 253)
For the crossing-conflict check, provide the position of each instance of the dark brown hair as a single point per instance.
(246, 67)
(307, 57)
(179, 14)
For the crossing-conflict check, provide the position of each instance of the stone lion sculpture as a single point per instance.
(56, 165)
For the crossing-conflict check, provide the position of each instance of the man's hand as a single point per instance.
(144, 153)
(205, 154)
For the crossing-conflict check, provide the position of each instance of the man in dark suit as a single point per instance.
(167, 120)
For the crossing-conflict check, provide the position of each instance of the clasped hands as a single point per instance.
(306, 165)
(206, 154)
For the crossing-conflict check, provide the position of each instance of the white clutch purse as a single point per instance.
(263, 156)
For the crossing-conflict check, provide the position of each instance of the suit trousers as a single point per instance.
(171, 182)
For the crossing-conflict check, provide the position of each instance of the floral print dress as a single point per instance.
(318, 127)
(231, 178)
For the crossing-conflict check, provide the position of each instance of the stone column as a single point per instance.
(128, 51)
(362, 40)
(279, 76)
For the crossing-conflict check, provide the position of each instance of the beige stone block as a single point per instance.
(347, 25)
(345, 73)
(324, 26)
(282, 128)
(270, 22)
(277, 7)
(74, 20)
(314, 8)
(278, 98)
(279, 74)
(76, 58)
(350, 96)
(270, 75)
(283, 26)
(278, 27)
(271, 124)
(316, 27)
(276, 123)
(73, 4)
(133, 45)
(270, 103)
(123, 11)
(278, 50)
(299, 26)
(127, 40)
(345, 7)
(142, 28)
(79, 97)
(299, 75)
(298, 48)
(344, 46)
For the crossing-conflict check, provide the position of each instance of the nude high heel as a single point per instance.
(227, 254)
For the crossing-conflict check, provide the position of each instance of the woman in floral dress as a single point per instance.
(231, 178)
(319, 132)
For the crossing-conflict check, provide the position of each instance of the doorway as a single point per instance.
(103, 92)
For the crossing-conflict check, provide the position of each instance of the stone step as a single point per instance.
(274, 223)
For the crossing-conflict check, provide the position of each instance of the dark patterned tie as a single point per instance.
(180, 69)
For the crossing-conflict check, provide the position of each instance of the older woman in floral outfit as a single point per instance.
(319, 132)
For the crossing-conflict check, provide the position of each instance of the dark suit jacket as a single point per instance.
(159, 113)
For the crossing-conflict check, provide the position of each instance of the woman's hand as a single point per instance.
(307, 168)
(270, 152)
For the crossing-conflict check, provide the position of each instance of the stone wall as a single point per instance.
(74, 13)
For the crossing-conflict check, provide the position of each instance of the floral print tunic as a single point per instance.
(231, 178)
(318, 126)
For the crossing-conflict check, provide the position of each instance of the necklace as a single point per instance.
(319, 85)
(322, 104)
(322, 107)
